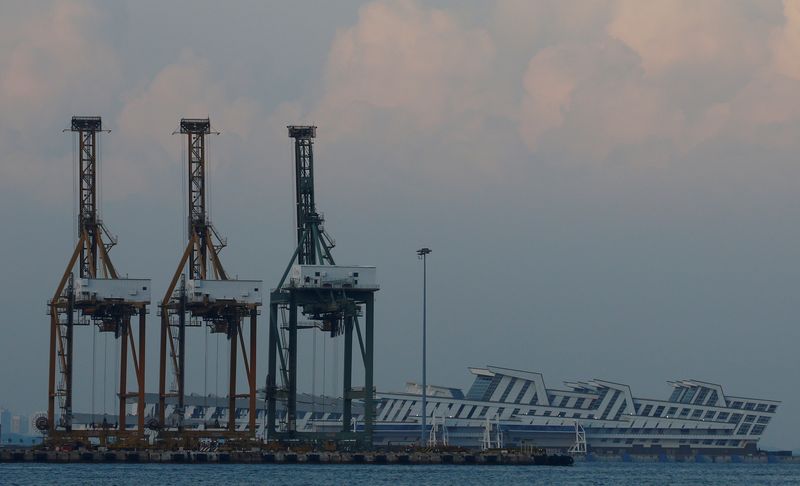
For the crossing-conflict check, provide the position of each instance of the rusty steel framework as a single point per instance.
(334, 311)
(221, 316)
(110, 315)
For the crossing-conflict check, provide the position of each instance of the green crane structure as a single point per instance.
(334, 307)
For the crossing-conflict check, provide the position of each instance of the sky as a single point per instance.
(609, 188)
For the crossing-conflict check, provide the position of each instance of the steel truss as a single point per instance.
(336, 311)
(113, 316)
(178, 313)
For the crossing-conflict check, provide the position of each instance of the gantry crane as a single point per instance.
(97, 297)
(331, 296)
(204, 295)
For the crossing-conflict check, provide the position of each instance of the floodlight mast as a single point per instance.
(422, 254)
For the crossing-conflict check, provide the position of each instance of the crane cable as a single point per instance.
(335, 365)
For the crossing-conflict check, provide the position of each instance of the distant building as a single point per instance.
(19, 424)
(5, 420)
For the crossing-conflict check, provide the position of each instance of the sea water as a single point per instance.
(581, 473)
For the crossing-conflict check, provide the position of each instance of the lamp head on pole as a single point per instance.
(422, 252)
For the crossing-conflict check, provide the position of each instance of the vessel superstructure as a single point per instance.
(517, 406)
(515, 409)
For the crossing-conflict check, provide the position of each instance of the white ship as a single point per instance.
(515, 409)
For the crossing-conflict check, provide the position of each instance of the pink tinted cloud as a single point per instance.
(673, 34)
(52, 62)
(588, 99)
(417, 64)
(56, 57)
(785, 42)
(650, 79)
(184, 88)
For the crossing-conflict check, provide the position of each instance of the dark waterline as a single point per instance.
(581, 473)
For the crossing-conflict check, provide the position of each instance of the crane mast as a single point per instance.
(331, 297)
(314, 244)
(200, 293)
(97, 297)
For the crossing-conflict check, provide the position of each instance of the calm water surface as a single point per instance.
(582, 473)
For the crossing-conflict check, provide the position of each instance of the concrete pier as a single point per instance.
(282, 457)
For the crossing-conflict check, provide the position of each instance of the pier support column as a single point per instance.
(291, 405)
(51, 378)
(162, 364)
(369, 388)
(123, 373)
(233, 330)
(252, 378)
(347, 378)
(69, 360)
(272, 369)
(140, 375)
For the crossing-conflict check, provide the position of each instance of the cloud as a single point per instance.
(675, 34)
(186, 88)
(588, 99)
(579, 81)
(600, 78)
(785, 42)
(674, 73)
(58, 58)
(419, 66)
(53, 61)
(525, 26)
